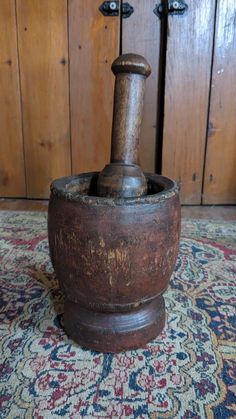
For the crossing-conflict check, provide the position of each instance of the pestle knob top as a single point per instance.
(131, 63)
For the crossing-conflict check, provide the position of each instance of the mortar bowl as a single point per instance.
(113, 258)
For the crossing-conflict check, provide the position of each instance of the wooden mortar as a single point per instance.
(114, 235)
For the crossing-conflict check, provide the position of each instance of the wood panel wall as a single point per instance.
(141, 35)
(12, 172)
(43, 56)
(188, 70)
(94, 44)
(220, 165)
(56, 91)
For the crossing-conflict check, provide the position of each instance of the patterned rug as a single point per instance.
(187, 372)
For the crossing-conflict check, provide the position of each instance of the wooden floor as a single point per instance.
(213, 212)
(23, 204)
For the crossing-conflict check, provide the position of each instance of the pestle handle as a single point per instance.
(123, 178)
(131, 71)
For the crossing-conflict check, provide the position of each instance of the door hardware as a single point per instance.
(174, 7)
(112, 8)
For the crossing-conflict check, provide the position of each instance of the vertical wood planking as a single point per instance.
(43, 51)
(188, 67)
(141, 35)
(93, 45)
(12, 177)
(220, 165)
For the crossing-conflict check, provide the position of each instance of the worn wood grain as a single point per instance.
(109, 279)
(93, 45)
(220, 166)
(12, 176)
(141, 35)
(188, 65)
(123, 177)
(43, 51)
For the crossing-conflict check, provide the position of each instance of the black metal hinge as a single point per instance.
(173, 7)
(112, 8)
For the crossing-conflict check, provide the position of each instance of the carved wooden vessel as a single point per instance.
(114, 235)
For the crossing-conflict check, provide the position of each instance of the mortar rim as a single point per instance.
(58, 188)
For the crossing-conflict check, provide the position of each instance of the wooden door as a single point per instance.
(94, 41)
(220, 165)
(57, 93)
(43, 55)
(187, 85)
(141, 35)
(12, 172)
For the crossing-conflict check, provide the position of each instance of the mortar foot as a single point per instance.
(114, 332)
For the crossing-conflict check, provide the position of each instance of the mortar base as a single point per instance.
(114, 332)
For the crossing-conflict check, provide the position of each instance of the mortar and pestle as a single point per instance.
(114, 235)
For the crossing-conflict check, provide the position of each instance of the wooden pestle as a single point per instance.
(123, 177)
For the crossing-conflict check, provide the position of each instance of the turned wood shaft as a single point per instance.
(123, 177)
(127, 116)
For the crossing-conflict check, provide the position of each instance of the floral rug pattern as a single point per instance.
(189, 371)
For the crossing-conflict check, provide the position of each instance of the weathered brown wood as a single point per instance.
(131, 71)
(141, 35)
(123, 177)
(115, 265)
(12, 176)
(220, 165)
(113, 256)
(93, 45)
(43, 51)
(188, 65)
